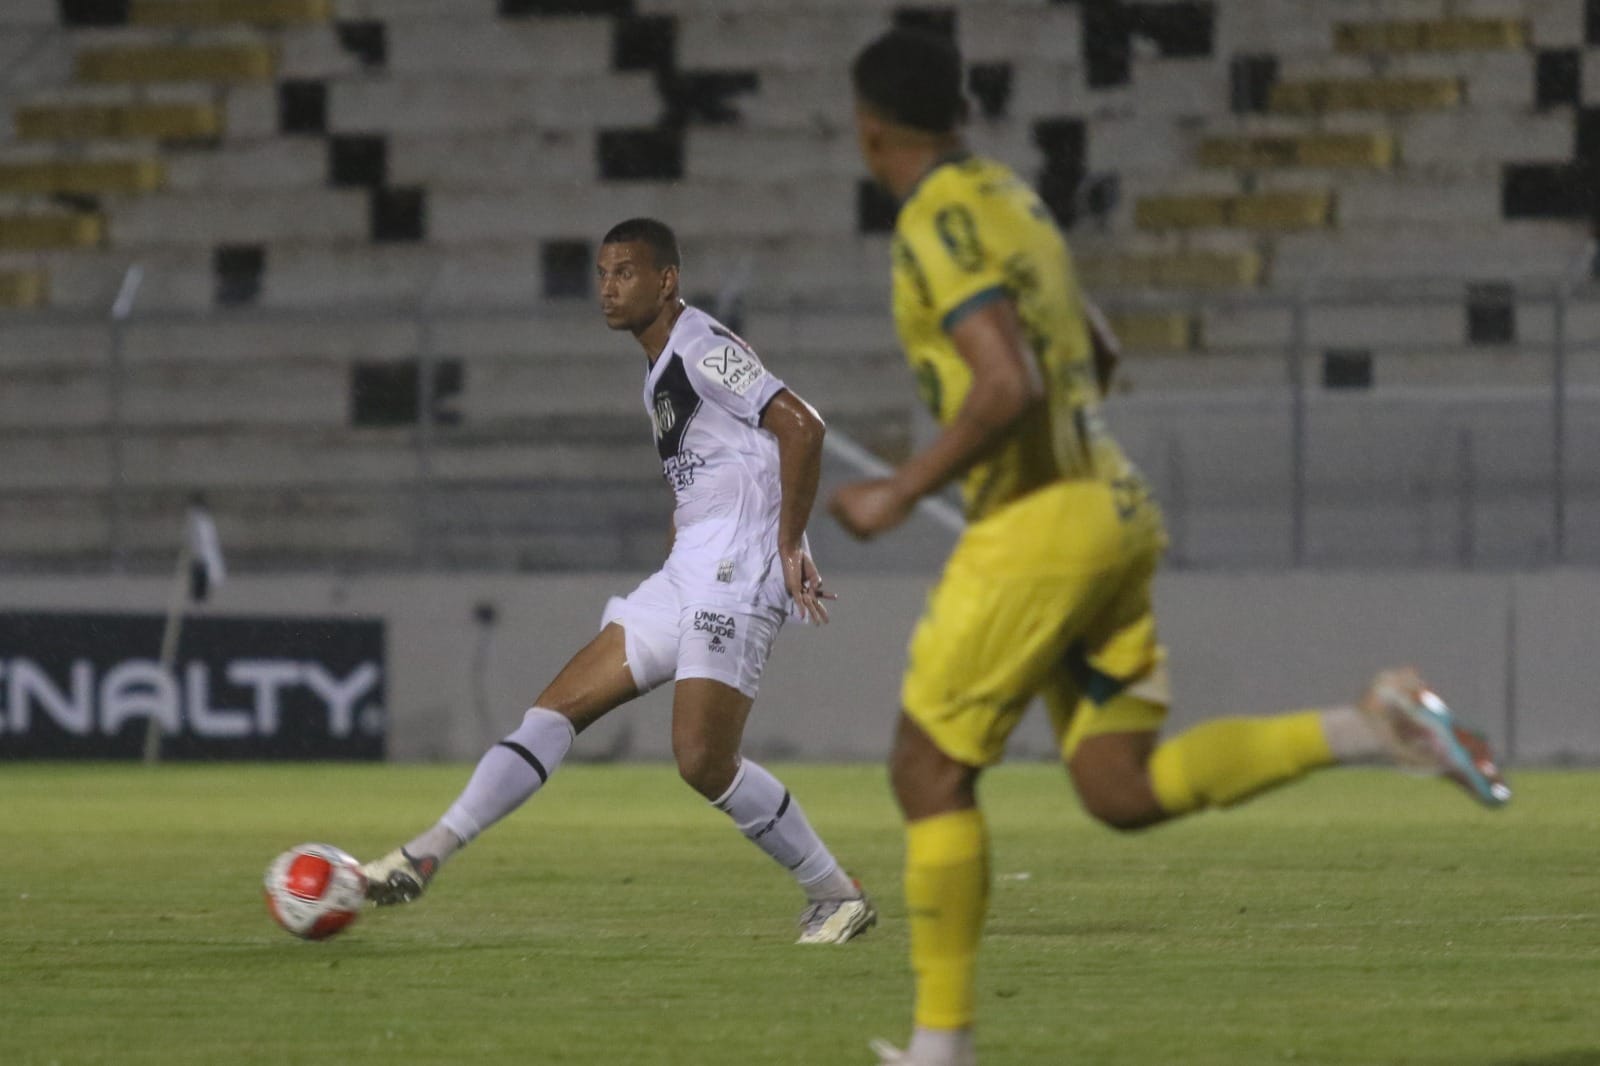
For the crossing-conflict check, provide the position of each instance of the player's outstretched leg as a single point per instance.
(707, 726)
(507, 775)
(1129, 780)
(594, 681)
(771, 819)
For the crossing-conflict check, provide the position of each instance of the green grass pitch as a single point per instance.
(1356, 918)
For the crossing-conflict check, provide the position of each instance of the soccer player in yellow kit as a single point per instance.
(1048, 590)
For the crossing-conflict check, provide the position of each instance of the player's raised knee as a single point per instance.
(705, 769)
(1122, 815)
(1116, 793)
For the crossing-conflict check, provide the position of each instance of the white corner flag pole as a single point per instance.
(200, 569)
(176, 601)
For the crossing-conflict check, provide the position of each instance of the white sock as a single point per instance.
(940, 1045)
(1353, 737)
(770, 819)
(506, 776)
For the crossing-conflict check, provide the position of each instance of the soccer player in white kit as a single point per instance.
(742, 454)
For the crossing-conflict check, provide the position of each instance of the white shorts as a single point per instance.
(673, 634)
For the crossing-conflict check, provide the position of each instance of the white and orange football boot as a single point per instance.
(1423, 735)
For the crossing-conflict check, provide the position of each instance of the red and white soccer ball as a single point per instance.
(314, 890)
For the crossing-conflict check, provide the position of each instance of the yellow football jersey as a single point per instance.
(972, 232)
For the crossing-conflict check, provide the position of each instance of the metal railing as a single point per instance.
(1301, 348)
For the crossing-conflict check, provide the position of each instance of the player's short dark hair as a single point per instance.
(663, 243)
(912, 78)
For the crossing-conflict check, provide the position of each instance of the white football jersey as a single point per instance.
(705, 395)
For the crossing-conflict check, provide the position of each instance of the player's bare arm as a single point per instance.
(799, 431)
(1005, 384)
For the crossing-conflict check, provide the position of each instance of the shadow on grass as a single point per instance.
(1578, 1057)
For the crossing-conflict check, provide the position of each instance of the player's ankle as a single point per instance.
(835, 884)
(1353, 737)
(437, 844)
(940, 1045)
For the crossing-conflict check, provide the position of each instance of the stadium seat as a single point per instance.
(1396, 200)
(1435, 35)
(85, 281)
(1195, 269)
(1154, 331)
(1369, 150)
(1288, 210)
(23, 288)
(241, 216)
(278, 164)
(1370, 94)
(85, 177)
(547, 49)
(220, 63)
(504, 160)
(1526, 250)
(54, 229)
(464, 104)
(210, 13)
(154, 121)
(1248, 328)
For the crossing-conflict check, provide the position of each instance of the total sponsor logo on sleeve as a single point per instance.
(721, 628)
(734, 370)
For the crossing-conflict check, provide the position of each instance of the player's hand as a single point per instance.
(805, 585)
(867, 508)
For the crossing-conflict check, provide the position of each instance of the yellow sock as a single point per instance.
(947, 892)
(1228, 760)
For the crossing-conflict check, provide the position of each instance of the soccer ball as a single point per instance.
(314, 890)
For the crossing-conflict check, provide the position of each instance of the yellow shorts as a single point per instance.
(1047, 596)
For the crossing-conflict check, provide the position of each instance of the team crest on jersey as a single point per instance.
(672, 406)
(959, 232)
(735, 370)
(665, 417)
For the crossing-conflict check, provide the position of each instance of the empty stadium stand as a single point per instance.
(364, 232)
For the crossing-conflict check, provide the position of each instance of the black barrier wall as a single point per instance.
(85, 685)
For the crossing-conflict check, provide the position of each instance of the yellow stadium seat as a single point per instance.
(1283, 210)
(1154, 331)
(1373, 150)
(1431, 35)
(229, 12)
(1288, 210)
(218, 63)
(30, 233)
(1115, 271)
(85, 176)
(1173, 270)
(24, 288)
(1181, 212)
(1365, 94)
(162, 122)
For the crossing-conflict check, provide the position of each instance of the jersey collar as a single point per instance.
(959, 155)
